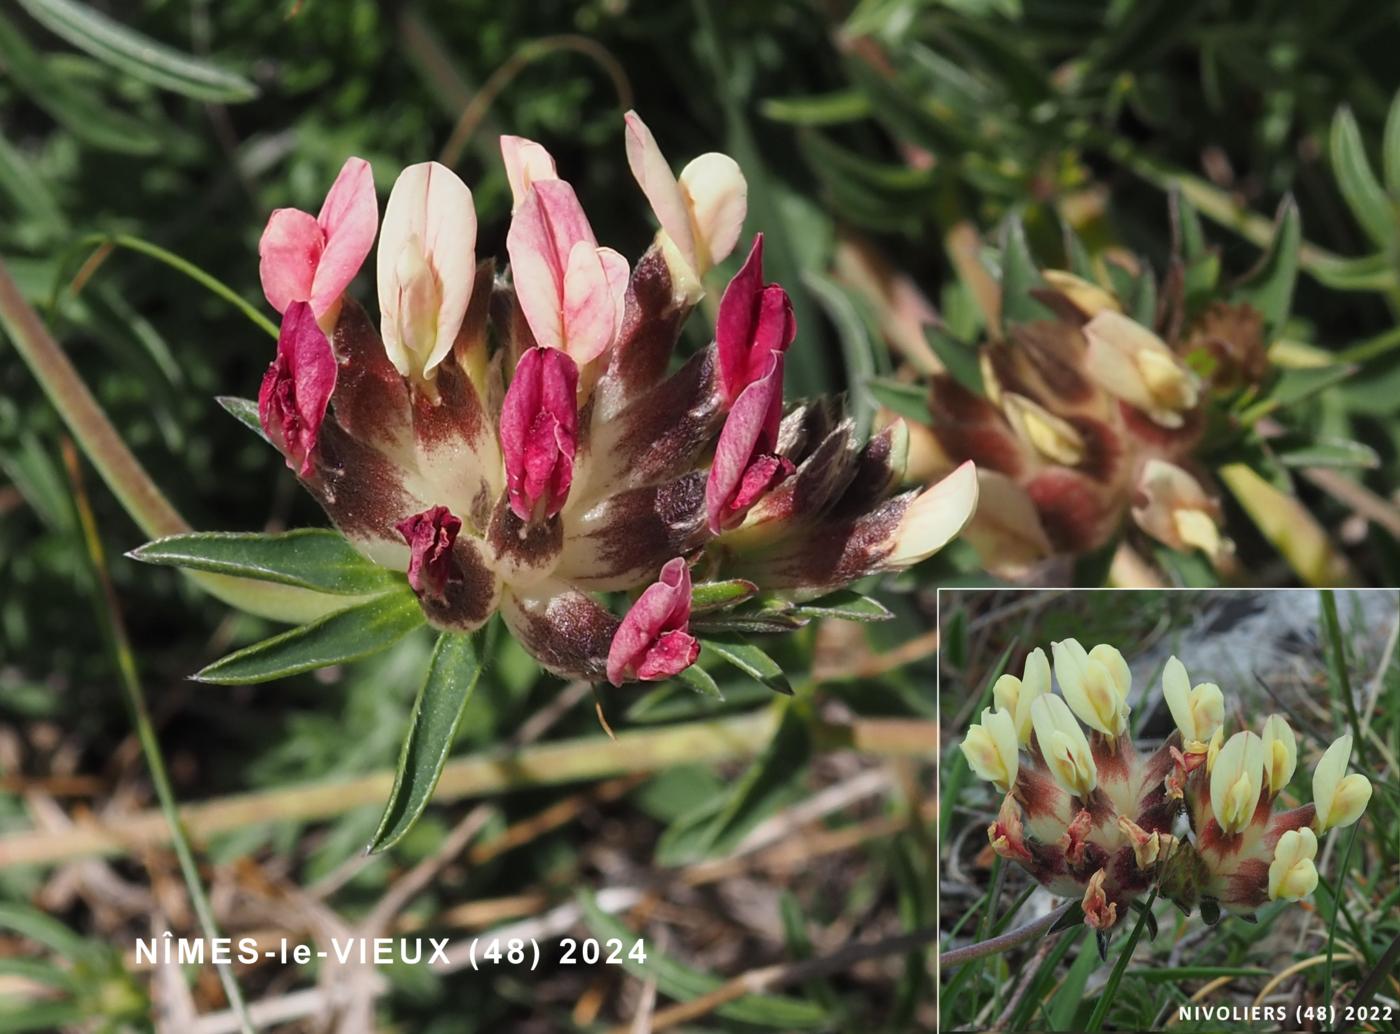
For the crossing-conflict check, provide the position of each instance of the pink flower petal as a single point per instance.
(539, 432)
(289, 252)
(541, 240)
(349, 218)
(526, 163)
(430, 535)
(658, 183)
(651, 642)
(590, 315)
(619, 274)
(754, 319)
(749, 434)
(297, 388)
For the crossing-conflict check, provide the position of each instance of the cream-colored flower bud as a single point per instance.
(1049, 435)
(1015, 695)
(1280, 753)
(1237, 780)
(1095, 687)
(1133, 364)
(1064, 745)
(1199, 713)
(1292, 874)
(1339, 800)
(991, 749)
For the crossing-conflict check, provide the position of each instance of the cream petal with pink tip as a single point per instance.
(426, 267)
(526, 163)
(702, 212)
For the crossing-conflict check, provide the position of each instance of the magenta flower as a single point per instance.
(313, 260)
(571, 292)
(754, 320)
(539, 432)
(430, 535)
(653, 641)
(297, 387)
(523, 444)
(745, 465)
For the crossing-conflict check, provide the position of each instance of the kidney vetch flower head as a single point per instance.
(1200, 817)
(521, 442)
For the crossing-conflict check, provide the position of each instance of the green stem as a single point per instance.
(109, 617)
(1337, 884)
(155, 251)
(1337, 659)
(122, 471)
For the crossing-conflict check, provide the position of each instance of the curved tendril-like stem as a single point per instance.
(1003, 942)
(122, 471)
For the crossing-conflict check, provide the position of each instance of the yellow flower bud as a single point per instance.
(1236, 781)
(1292, 874)
(1133, 364)
(1280, 753)
(991, 749)
(1199, 713)
(1063, 744)
(1095, 686)
(1015, 695)
(1339, 801)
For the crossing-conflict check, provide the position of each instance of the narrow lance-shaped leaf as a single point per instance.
(347, 635)
(452, 675)
(846, 604)
(312, 558)
(714, 595)
(1364, 195)
(700, 680)
(245, 411)
(136, 55)
(749, 659)
(1269, 286)
(1018, 276)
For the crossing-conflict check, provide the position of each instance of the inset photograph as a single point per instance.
(1168, 810)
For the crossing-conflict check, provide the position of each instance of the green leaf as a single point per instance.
(1390, 148)
(827, 109)
(848, 605)
(678, 981)
(347, 635)
(854, 332)
(1269, 286)
(452, 675)
(700, 680)
(718, 595)
(959, 357)
(907, 400)
(1363, 193)
(136, 55)
(1373, 272)
(1018, 276)
(245, 411)
(312, 558)
(751, 661)
(74, 107)
(1331, 452)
